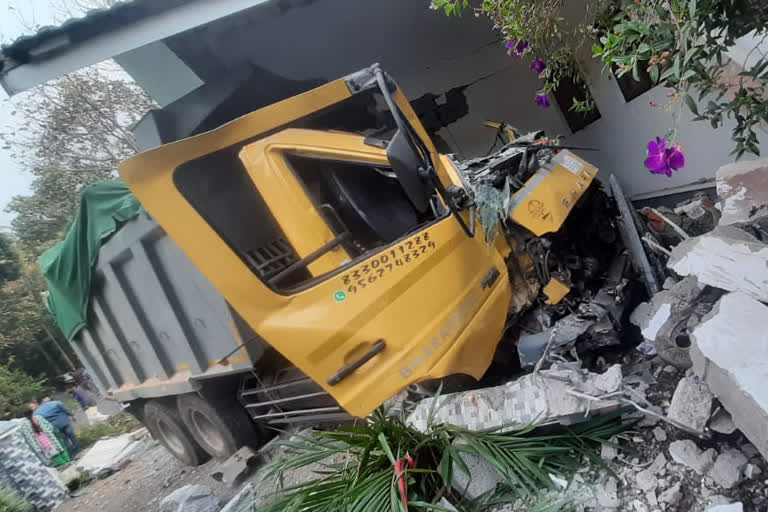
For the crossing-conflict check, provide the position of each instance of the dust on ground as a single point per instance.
(152, 474)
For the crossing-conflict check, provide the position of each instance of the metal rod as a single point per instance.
(674, 226)
(289, 399)
(273, 388)
(337, 416)
(294, 413)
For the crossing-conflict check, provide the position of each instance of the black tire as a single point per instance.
(164, 424)
(222, 429)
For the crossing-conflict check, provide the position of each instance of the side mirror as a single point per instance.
(405, 162)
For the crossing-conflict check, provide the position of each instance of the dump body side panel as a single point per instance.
(155, 324)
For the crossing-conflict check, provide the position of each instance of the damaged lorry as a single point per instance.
(310, 259)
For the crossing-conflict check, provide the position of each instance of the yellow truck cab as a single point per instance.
(347, 258)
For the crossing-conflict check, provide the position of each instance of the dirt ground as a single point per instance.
(152, 474)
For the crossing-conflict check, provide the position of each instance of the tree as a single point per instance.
(10, 266)
(17, 389)
(72, 132)
(684, 45)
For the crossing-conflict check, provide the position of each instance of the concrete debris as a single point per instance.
(107, 453)
(728, 468)
(658, 464)
(593, 318)
(686, 452)
(233, 470)
(664, 317)
(672, 496)
(608, 451)
(659, 434)
(691, 404)
(542, 397)
(727, 258)
(646, 480)
(608, 494)
(190, 498)
(752, 472)
(722, 423)
(742, 188)
(730, 353)
(639, 506)
(482, 477)
(732, 507)
(242, 501)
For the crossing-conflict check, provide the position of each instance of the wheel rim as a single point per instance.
(207, 431)
(171, 438)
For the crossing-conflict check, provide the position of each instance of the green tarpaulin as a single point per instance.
(67, 267)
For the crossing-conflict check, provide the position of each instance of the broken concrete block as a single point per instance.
(659, 434)
(242, 502)
(659, 319)
(730, 354)
(752, 472)
(608, 451)
(190, 498)
(541, 398)
(727, 470)
(482, 477)
(646, 480)
(691, 404)
(233, 470)
(672, 496)
(727, 258)
(658, 464)
(732, 507)
(107, 453)
(608, 494)
(742, 188)
(686, 452)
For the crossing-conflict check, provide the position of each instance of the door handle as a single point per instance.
(346, 371)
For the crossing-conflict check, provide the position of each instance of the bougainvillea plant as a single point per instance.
(682, 45)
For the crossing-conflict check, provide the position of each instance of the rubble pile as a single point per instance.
(695, 378)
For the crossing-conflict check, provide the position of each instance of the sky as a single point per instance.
(14, 15)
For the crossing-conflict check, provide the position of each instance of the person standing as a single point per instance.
(83, 399)
(41, 437)
(60, 417)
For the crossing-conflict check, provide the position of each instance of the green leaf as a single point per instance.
(654, 72)
(692, 104)
(644, 48)
(667, 73)
(676, 66)
(597, 50)
(688, 74)
(635, 72)
(384, 444)
(692, 9)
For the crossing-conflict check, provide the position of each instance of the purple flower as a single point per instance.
(538, 66)
(664, 160)
(542, 100)
(517, 47)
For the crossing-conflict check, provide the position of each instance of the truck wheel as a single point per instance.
(220, 430)
(164, 424)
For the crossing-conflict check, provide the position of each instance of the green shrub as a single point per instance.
(17, 389)
(120, 423)
(10, 502)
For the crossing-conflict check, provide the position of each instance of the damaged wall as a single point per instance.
(429, 53)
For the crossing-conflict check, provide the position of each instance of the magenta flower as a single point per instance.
(538, 66)
(542, 100)
(517, 47)
(664, 160)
